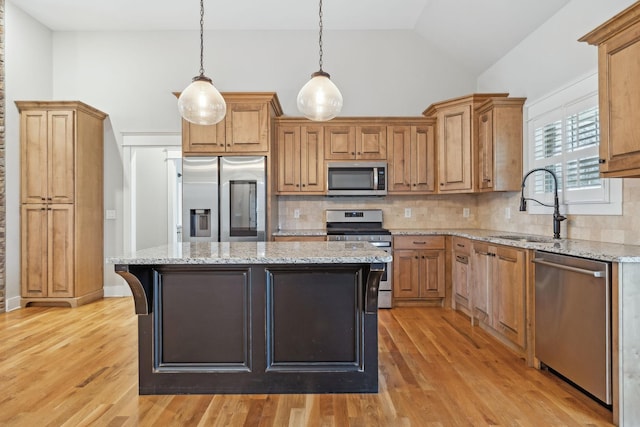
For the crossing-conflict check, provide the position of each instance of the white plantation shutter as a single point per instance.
(564, 136)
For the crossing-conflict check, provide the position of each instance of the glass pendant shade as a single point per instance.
(201, 103)
(320, 99)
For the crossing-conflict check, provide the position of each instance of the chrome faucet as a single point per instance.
(557, 218)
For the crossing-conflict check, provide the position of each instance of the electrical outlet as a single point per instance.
(465, 212)
(296, 213)
(110, 214)
(507, 213)
(407, 212)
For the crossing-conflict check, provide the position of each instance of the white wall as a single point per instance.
(28, 76)
(551, 56)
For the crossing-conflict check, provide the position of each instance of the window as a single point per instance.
(564, 136)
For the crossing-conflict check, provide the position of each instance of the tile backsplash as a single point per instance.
(485, 211)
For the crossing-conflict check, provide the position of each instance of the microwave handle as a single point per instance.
(375, 178)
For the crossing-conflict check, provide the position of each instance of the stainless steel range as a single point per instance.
(363, 225)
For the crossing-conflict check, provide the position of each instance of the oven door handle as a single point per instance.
(381, 244)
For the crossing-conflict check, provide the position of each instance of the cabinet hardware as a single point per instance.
(602, 161)
(419, 243)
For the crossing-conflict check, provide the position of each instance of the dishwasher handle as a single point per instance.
(542, 261)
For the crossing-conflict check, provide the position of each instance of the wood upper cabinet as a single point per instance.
(245, 129)
(456, 138)
(618, 42)
(418, 267)
(300, 165)
(61, 221)
(412, 158)
(498, 282)
(499, 125)
(355, 141)
(47, 153)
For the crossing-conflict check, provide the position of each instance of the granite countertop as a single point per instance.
(612, 252)
(257, 253)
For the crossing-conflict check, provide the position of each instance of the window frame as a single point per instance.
(560, 104)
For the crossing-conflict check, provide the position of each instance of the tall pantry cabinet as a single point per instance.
(61, 198)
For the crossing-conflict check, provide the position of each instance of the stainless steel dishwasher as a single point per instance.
(573, 320)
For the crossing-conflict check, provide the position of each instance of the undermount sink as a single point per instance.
(524, 238)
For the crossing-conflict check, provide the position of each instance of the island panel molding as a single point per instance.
(256, 317)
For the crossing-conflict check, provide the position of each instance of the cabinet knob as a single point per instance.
(485, 118)
(602, 161)
(304, 185)
(352, 153)
(297, 185)
(414, 185)
(442, 184)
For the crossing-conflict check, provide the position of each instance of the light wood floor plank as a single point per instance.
(78, 367)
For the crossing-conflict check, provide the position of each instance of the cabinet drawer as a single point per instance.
(418, 242)
(461, 245)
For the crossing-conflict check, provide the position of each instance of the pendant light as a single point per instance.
(320, 99)
(200, 102)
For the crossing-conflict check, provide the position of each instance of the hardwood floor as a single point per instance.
(73, 367)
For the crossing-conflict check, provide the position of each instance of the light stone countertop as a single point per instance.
(257, 253)
(612, 252)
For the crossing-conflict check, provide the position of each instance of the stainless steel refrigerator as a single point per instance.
(223, 199)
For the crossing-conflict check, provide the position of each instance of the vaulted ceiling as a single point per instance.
(473, 32)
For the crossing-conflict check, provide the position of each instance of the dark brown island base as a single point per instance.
(265, 317)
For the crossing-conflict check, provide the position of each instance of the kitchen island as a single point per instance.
(256, 317)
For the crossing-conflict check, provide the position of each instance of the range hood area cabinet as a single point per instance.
(618, 42)
(245, 130)
(61, 198)
(466, 166)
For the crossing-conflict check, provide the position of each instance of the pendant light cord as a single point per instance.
(320, 37)
(201, 37)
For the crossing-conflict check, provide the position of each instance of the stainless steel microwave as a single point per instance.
(353, 178)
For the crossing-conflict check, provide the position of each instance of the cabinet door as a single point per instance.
(619, 93)
(33, 250)
(406, 264)
(289, 158)
(454, 148)
(400, 159)
(247, 127)
(33, 157)
(60, 251)
(485, 150)
(481, 274)
(339, 142)
(508, 294)
(61, 156)
(460, 278)
(199, 140)
(312, 177)
(371, 142)
(423, 159)
(431, 274)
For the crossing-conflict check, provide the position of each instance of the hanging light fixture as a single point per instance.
(320, 99)
(200, 102)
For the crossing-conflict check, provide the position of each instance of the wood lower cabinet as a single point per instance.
(61, 220)
(300, 167)
(498, 282)
(460, 275)
(418, 268)
(47, 251)
(618, 42)
(412, 162)
(246, 128)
